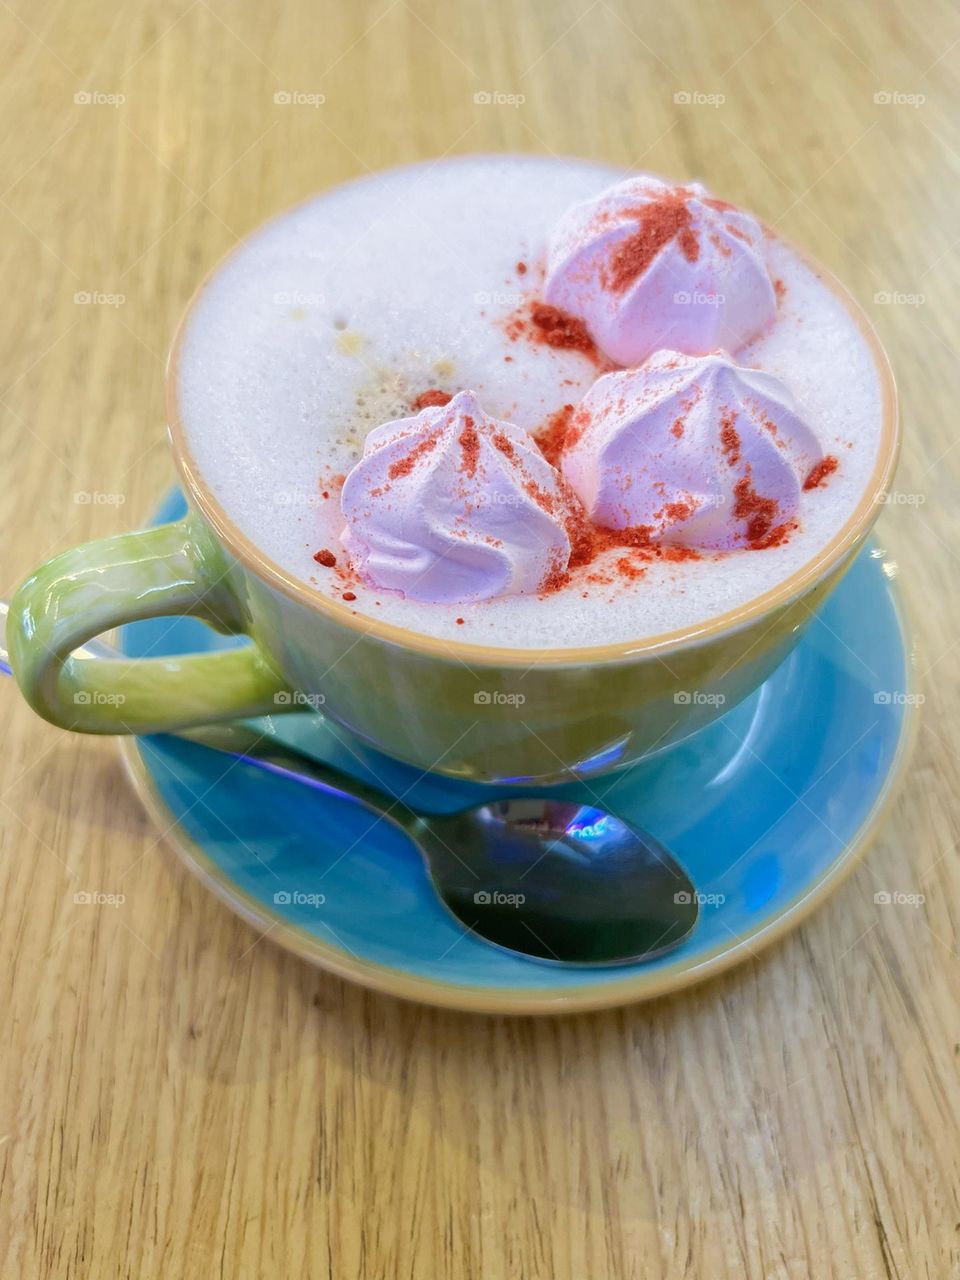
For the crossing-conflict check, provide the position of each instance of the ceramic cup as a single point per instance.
(460, 709)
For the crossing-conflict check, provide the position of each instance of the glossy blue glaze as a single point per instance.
(760, 807)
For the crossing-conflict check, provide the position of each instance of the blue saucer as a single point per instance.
(767, 809)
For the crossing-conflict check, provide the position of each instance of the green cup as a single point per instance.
(465, 710)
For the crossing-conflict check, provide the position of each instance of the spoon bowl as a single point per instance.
(558, 881)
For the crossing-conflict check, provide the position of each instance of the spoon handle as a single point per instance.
(245, 743)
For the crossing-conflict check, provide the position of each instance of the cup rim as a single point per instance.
(247, 553)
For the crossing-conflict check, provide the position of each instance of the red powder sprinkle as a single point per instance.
(521, 268)
(460, 622)
(729, 437)
(326, 558)
(555, 578)
(588, 542)
(660, 221)
(557, 433)
(403, 466)
(780, 289)
(469, 447)
(677, 428)
(677, 511)
(431, 397)
(505, 445)
(545, 501)
(349, 595)
(760, 514)
(560, 329)
(819, 472)
(627, 569)
(329, 483)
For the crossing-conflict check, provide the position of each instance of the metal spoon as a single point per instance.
(545, 878)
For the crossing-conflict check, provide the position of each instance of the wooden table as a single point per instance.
(179, 1102)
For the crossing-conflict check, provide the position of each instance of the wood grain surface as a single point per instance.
(179, 1099)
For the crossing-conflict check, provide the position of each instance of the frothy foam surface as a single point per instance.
(333, 318)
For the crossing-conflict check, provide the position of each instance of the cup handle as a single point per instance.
(171, 570)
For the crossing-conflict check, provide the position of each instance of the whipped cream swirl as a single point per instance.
(694, 450)
(646, 266)
(453, 506)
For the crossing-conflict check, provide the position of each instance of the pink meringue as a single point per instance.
(646, 266)
(695, 450)
(454, 506)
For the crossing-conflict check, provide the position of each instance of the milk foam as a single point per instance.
(333, 318)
